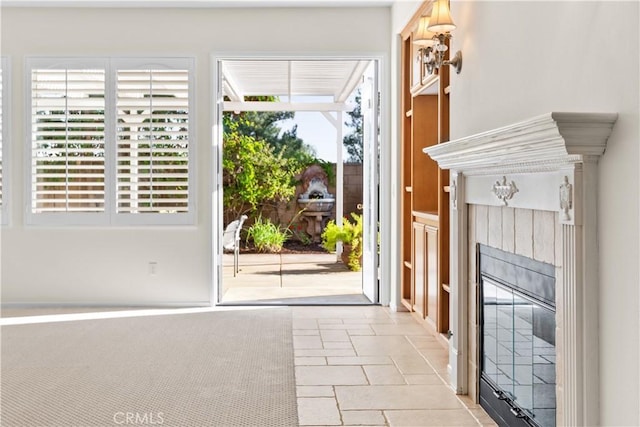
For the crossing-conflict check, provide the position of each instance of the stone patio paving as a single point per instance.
(290, 279)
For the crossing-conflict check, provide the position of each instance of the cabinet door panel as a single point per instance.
(419, 264)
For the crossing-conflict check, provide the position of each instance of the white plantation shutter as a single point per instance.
(110, 141)
(152, 139)
(68, 140)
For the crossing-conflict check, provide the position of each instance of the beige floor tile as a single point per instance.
(440, 365)
(341, 352)
(383, 374)
(313, 411)
(483, 417)
(310, 361)
(400, 318)
(338, 344)
(301, 332)
(360, 360)
(333, 312)
(425, 342)
(432, 417)
(431, 379)
(434, 352)
(329, 321)
(368, 321)
(315, 391)
(360, 331)
(413, 364)
(468, 402)
(330, 375)
(306, 342)
(379, 314)
(305, 324)
(333, 335)
(334, 326)
(385, 397)
(402, 329)
(382, 345)
(360, 418)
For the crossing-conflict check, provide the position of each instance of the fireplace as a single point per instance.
(517, 339)
(530, 190)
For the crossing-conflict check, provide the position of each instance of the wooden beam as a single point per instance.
(285, 106)
(336, 124)
(234, 91)
(353, 80)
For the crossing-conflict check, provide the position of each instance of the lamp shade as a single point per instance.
(440, 21)
(423, 36)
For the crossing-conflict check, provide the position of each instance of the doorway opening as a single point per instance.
(296, 149)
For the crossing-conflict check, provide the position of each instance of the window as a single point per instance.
(111, 141)
(153, 141)
(4, 138)
(68, 140)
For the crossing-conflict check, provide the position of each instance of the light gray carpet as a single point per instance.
(231, 368)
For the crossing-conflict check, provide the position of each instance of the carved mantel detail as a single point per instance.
(504, 191)
(453, 192)
(566, 199)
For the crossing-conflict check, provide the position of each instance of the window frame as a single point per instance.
(185, 218)
(110, 217)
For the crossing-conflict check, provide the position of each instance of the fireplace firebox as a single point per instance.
(517, 340)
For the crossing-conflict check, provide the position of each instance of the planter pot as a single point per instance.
(346, 252)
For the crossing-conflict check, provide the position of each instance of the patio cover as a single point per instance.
(334, 79)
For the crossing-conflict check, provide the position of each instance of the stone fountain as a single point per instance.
(316, 200)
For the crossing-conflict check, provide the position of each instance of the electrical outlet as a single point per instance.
(153, 268)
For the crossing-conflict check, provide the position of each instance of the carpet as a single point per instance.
(226, 368)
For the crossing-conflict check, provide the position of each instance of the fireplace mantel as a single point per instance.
(543, 143)
(546, 163)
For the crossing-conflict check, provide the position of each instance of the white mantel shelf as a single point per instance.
(546, 163)
(544, 142)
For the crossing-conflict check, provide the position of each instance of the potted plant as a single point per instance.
(350, 234)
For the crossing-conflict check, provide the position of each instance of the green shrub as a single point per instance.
(267, 236)
(349, 233)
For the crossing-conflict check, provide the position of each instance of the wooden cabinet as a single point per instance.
(425, 266)
(425, 199)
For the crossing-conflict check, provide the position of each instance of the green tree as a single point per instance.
(353, 141)
(264, 126)
(255, 175)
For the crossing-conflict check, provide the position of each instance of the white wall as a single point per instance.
(110, 265)
(523, 59)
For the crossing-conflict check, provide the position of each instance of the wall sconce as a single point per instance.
(432, 34)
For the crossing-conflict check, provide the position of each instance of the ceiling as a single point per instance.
(336, 79)
(197, 3)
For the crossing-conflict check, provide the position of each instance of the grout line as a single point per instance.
(446, 384)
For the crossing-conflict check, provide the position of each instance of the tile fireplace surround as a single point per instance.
(530, 189)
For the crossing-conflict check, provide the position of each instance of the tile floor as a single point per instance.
(370, 366)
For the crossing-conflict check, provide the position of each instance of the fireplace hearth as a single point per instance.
(517, 339)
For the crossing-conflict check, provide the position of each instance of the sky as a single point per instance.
(315, 130)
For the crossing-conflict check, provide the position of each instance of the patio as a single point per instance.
(290, 279)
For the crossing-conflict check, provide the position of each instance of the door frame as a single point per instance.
(384, 167)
